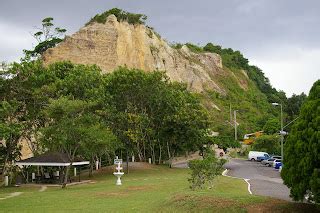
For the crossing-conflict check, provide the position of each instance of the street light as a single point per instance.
(235, 125)
(281, 132)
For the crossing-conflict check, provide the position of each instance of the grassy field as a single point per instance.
(146, 189)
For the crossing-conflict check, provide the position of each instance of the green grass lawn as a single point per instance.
(154, 189)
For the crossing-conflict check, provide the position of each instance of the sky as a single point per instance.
(280, 37)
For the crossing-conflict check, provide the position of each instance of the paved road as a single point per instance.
(264, 180)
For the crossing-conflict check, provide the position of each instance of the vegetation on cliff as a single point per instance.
(254, 102)
(131, 18)
(47, 37)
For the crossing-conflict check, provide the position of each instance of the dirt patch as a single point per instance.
(139, 188)
(111, 194)
(202, 202)
(279, 206)
(124, 192)
(194, 203)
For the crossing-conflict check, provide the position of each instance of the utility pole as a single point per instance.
(282, 136)
(235, 125)
(230, 115)
(281, 132)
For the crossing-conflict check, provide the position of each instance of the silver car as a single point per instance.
(268, 162)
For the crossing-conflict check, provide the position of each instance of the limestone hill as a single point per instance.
(118, 43)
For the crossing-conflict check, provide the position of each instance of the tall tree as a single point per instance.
(47, 37)
(267, 143)
(72, 127)
(272, 126)
(10, 133)
(301, 170)
(154, 117)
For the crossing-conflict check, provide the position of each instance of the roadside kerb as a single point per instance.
(224, 173)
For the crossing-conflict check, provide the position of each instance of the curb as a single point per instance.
(224, 173)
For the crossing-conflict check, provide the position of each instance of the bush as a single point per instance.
(267, 143)
(194, 48)
(131, 18)
(204, 171)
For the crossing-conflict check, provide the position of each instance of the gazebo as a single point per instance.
(52, 159)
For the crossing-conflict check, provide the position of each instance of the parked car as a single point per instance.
(276, 156)
(275, 162)
(253, 155)
(278, 165)
(261, 158)
(268, 162)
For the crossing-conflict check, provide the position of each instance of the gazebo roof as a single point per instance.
(51, 159)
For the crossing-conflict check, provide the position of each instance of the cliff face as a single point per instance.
(116, 44)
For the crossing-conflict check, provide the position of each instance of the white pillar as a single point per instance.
(132, 158)
(33, 176)
(6, 180)
(97, 165)
(75, 171)
(150, 160)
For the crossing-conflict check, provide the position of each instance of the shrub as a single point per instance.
(131, 18)
(194, 48)
(204, 171)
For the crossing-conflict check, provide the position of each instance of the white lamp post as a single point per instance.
(281, 132)
(235, 125)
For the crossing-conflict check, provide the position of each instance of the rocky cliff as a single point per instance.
(116, 44)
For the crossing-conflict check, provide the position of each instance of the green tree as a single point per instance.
(224, 142)
(267, 143)
(152, 116)
(10, 133)
(71, 127)
(131, 18)
(301, 154)
(272, 126)
(47, 37)
(204, 171)
(294, 104)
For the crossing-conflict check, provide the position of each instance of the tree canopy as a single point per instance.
(47, 37)
(272, 126)
(78, 110)
(131, 18)
(301, 170)
(267, 143)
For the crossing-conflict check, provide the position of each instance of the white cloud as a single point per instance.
(13, 39)
(291, 69)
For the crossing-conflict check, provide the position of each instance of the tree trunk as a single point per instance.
(153, 155)
(160, 151)
(168, 149)
(144, 150)
(169, 154)
(66, 176)
(91, 166)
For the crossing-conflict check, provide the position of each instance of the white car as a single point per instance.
(276, 161)
(254, 154)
